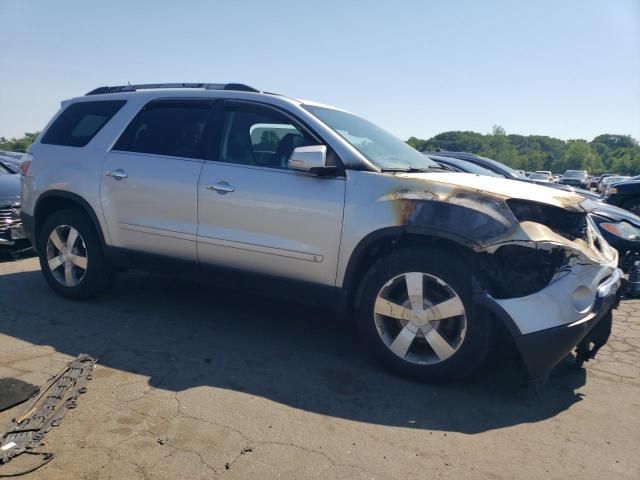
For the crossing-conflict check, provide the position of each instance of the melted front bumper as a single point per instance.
(541, 351)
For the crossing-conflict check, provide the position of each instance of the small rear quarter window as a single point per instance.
(80, 122)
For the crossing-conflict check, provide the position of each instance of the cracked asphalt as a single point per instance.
(195, 382)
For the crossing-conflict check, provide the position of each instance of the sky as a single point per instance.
(567, 69)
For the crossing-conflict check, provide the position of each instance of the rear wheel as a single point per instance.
(415, 313)
(71, 256)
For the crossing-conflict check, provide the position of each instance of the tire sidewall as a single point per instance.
(450, 269)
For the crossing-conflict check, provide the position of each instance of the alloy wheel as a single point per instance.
(67, 255)
(420, 318)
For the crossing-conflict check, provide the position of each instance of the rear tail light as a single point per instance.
(25, 163)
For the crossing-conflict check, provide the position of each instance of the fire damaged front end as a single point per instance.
(541, 265)
(554, 282)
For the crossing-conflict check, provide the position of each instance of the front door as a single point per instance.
(257, 215)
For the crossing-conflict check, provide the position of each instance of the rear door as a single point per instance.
(257, 215)
(149, 187)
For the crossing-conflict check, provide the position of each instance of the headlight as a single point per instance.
(612, 190)
(622, 229)
(570, 225)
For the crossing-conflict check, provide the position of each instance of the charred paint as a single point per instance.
(487, 222)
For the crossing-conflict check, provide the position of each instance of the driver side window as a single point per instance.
(260, 138)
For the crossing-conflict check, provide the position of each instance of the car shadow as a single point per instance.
(181, 334)
(12, 254)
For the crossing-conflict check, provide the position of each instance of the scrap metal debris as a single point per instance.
(45, 411)
(14, 391)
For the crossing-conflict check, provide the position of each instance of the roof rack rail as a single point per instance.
(240, 87)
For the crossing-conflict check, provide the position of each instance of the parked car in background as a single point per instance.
(575, 178)
(626, 195)
(507, 172)
(602, 177)
(607, 182)
(13, 159)
(621, 228)
(12, 235)
(169, 177)
(541, 176)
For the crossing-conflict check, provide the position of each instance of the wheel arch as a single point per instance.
(54, 200)
(386, 240)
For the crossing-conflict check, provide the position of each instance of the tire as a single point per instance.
(77, 273)
(443, 276)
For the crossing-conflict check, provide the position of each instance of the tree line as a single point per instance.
(605, 153)
(18, 144)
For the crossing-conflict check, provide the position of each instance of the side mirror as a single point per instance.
(311, 159)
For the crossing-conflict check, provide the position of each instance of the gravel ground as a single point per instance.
(195, 382)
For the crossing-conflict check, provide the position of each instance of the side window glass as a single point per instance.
(80, 122)
(260, 138)
(171, 128)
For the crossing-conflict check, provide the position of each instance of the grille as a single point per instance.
(6, 215)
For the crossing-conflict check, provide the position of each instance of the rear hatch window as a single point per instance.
(80, 122)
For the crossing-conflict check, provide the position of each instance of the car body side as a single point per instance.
(458, 211)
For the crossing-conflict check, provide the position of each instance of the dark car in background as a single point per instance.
(12, 235)
(575, 178)
(625, 194)
(619, 227)
(502, 170)
(11, 159)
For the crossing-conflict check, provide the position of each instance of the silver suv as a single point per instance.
(237, 185)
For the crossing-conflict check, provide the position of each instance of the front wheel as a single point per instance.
(71, 256)
(415, 313)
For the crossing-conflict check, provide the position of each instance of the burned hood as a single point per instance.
(506, 188)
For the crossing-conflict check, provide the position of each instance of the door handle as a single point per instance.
(221, 187)
(117, 174)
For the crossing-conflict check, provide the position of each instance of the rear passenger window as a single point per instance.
(167, 127)
(80, 122)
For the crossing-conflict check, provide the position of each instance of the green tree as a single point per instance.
(616, 141)
(608, 152)
(18, 144)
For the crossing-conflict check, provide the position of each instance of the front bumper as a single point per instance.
(11, 229)
(543, 348)
(541, 351)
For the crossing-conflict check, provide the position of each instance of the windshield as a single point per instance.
(378, 146)
(575, 174)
